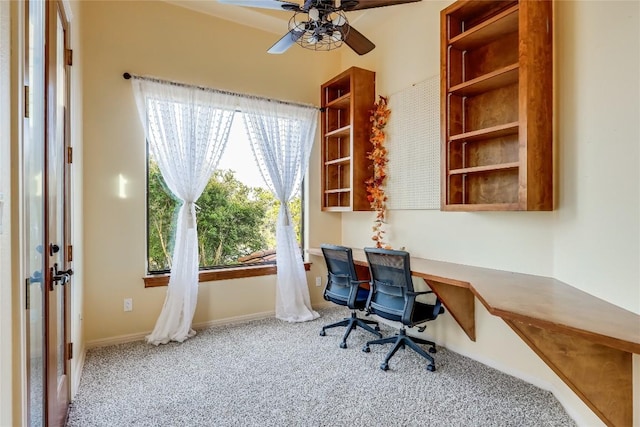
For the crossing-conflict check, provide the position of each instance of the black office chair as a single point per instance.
(392, 297)
(344, 288)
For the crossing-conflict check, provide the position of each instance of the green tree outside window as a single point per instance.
(233, 219)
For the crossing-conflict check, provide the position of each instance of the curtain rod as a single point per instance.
(128, 76)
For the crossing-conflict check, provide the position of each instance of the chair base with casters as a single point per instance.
(402, 340)
(344, 288)
(352, 323)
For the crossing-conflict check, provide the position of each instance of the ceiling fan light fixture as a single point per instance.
(314, 14)
(298, 27)
(321, 33)
(339, 20)
(324, 19)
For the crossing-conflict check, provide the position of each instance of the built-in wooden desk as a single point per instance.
(587, 341)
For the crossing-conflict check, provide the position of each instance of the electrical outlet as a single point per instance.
(128, 304)
(318, 281)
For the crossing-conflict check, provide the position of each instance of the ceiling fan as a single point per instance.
(320, 24)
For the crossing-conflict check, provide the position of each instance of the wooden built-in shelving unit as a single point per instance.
(496, 86)
(347, 100)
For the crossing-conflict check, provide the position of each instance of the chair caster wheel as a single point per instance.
(323, 333)
(366, 349)
(384, 366)
(343, 345)
(431, 368)
(433, 350)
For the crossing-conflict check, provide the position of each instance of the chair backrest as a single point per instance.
(341, 274)
(392, 287)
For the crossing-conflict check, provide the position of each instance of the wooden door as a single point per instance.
(57, 231)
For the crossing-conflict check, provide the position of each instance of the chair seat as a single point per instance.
(423, 312)
(360, 302)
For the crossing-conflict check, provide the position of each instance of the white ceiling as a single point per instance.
(268, 20)
(272, 21)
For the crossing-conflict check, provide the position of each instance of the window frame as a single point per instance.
(218, 272)
(222, 273)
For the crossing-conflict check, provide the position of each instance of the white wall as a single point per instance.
(169, 42)
(591, 241)
(596, 244)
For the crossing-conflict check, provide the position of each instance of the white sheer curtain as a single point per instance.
(187, 129)
(281, 137)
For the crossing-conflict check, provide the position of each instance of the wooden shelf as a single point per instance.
(337, 190)
(340, 103)
(347, 100)
(492, 132)
(496, 86)
(339, 133)
(337, 209)
(338, 161)
(492, 29)
(487, 168)
(479, 207)
(494, 80)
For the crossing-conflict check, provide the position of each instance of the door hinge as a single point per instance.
(68, 54)
(70, 351)
(26, 102)
(69, 253)
(69, 154)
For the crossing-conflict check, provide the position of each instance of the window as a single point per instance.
(236, 213)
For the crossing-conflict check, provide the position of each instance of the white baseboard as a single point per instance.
(234, 320)
(76, 373)
(324, 304)
(122, 339)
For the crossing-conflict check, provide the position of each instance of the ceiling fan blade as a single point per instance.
(356, 41)
(370, 4)
(285, 42)
(307, 5)
(264, 4)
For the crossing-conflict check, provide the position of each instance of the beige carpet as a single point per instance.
(273, 373)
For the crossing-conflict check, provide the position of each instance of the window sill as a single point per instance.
(156, 280)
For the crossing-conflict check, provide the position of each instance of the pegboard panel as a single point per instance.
(413, 141)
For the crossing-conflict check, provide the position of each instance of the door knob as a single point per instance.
(59, 277)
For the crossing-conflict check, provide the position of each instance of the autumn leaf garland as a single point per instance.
(375, 185)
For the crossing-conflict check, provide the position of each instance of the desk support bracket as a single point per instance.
(460, 303)
(601, 376)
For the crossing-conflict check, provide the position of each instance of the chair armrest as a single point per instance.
(413, 294)
(359, 282)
